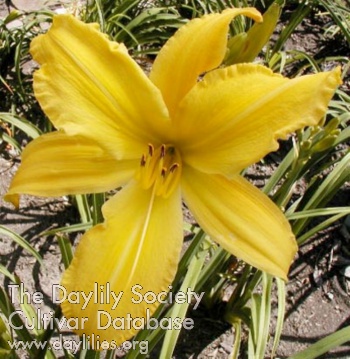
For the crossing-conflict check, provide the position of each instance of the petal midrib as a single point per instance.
(136, 239)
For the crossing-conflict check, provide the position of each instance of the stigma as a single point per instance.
(160, 168)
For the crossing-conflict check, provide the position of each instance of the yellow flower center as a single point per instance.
(160, 168)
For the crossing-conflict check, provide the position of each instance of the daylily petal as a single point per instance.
(241, 219)
(197, 47)
(90, 86)
(138, 245)
(237, 114)
(56, 164)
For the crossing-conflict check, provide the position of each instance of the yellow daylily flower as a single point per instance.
(162, 139)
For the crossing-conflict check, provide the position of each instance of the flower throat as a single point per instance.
(160, 168)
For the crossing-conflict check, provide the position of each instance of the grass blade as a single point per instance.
(324, 345)
(179, 310)
(21, 242)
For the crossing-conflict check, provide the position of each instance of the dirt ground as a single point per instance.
(318, 300)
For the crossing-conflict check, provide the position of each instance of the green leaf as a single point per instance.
(80, 227)
(21, 242)
(326, 190)
(318, 212)
(179, 310)
(21, 123)
(66, 250)
(281, 289)
(23, 334)
(260, 319)
(324, 345)
(245, 47)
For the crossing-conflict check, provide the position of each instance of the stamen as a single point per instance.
(143, 161)
(174, 167)
(150, 149)
(160, 168)
(162, 151)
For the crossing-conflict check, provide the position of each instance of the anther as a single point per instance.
(174, 167)
(143, 161)
(162, 151)
(150, 149)
(163, 172)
